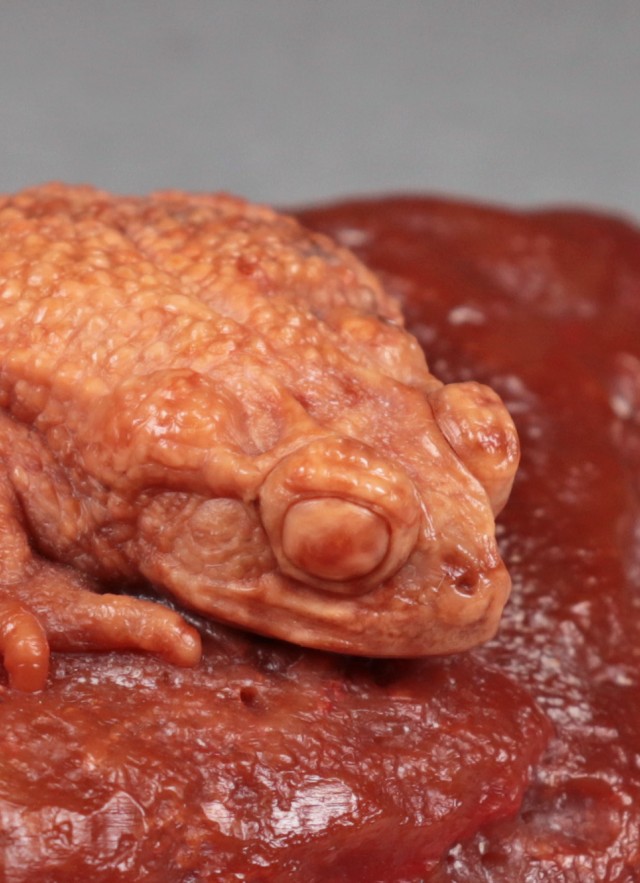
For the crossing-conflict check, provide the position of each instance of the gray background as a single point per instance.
(299, 100)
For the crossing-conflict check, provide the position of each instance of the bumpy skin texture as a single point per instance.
(200, 394)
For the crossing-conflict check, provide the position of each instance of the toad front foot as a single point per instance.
(50, 606)
(23, 646)
(53, 608)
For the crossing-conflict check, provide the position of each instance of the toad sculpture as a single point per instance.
(201, 397)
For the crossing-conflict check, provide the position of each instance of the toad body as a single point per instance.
(199, 396)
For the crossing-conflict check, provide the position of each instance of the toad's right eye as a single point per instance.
(339, 516)
(334, 539)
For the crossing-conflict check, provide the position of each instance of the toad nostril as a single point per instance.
(462, 575)
(334, 539)
(467, 582)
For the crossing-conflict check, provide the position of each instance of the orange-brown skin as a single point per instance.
(199, 394)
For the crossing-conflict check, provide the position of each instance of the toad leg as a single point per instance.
(43, 604)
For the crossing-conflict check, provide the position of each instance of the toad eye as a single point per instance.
(478, 427)
(339, 516)
(334, 539)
